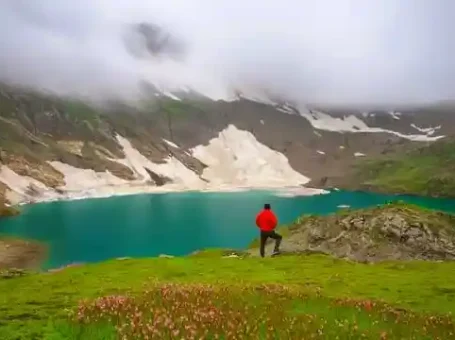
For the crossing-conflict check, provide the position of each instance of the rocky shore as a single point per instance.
(23, 254)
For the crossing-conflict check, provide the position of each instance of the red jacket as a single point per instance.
(266, 220)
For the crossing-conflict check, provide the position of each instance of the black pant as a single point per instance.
(272, 234)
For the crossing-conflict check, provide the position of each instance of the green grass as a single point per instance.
(64, 330)
(175, 108)
(216, 253)
(80, 111)
(29, 304)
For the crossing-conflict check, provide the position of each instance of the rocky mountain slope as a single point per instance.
(393, 231)
(61, 148)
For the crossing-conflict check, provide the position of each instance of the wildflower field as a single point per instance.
(296, 297)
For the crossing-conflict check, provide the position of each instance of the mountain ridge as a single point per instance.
(48, 135)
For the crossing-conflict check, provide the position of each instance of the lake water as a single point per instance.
(174, 223)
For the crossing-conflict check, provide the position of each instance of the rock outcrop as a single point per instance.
(394, 231)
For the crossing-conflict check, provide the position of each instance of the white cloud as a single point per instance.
(325, 51)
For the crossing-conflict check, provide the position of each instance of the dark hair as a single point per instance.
(267, 206)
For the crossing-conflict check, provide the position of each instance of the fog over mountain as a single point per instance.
(330, 52)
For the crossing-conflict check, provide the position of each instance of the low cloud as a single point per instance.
(329, 52)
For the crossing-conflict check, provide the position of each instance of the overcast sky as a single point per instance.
(326, 51)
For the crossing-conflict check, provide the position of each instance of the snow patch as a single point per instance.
(428, 131)
(262, 122)
(172, 96)
(256, 97)
(320, 152)
(86, 183)
(341, 147)
(77, 179)
(323, 121)
(19, 187)
(283, 110)
(395, 115)
(295, 192)
(286, 109)
(359, 154)
(172, 168)
(317, 133)
(171, 143)
(236, 158)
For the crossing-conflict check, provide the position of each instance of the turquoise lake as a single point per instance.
(173, 223)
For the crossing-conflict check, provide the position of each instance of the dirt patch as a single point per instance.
(73, 146)
(22, 254)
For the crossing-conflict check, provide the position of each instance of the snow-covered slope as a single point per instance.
(354, 124)
(428, 131)
(22, 187)
(244, 141)
(171, 168)
(235, 159)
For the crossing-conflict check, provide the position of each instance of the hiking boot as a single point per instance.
(276, 252)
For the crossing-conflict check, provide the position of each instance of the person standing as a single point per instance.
(266, 221)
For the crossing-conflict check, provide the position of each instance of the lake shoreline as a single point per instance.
(21, 253)
(97, 230)
(291, 191)
(380, 191)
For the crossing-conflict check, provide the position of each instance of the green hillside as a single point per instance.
(427, 170)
